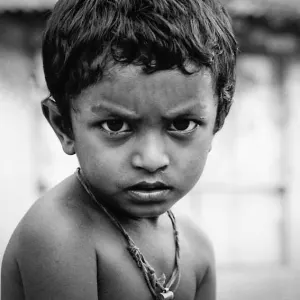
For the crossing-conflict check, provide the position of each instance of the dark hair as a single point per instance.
(83, 36)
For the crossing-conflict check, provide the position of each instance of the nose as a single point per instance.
(150, 154)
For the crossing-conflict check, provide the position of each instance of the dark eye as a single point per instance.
(115, 126)
(183, 125)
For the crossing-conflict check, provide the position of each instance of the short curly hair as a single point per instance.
(82, 36)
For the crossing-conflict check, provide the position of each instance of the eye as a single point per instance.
(115, 126)
(183, 125)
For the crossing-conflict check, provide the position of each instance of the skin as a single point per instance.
(65, 247)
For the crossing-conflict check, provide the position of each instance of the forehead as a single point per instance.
(130, 87)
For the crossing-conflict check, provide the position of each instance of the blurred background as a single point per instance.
(248, 200)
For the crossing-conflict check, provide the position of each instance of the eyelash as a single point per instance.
(112, 132)
(174, 132)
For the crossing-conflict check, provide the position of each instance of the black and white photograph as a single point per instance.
(150, 209)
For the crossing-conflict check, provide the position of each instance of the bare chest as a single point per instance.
(119, 276)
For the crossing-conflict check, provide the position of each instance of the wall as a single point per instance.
(292, 89)
(17, 190)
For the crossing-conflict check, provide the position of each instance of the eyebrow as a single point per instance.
(113, 108)
(187, 107)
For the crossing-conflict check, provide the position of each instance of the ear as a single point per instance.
(55, 119)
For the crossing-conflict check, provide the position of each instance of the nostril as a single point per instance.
(150, 164)
(150, 153)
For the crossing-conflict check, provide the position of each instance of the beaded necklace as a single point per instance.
(157, 286)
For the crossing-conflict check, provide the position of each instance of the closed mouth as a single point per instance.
(154, 195)
(145, 191)
(149, 187)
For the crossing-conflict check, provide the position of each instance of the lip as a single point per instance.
(154, 195)
(145, 191)
(149, 186)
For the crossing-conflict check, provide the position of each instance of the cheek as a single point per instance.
(104, 162)
(191, 164)
(195, 165)
(104, 170)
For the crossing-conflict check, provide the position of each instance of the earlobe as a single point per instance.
(54, 117)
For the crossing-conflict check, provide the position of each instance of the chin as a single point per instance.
(150, 211)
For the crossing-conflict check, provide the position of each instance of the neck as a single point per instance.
(139, 223)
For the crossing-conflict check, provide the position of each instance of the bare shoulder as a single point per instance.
(59, 214)
(202, 255)
(51, 249)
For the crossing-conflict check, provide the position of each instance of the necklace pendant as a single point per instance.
(166, 295)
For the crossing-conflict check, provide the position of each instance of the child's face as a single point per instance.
(132, 127)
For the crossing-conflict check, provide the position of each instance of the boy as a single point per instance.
(138, 90)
